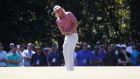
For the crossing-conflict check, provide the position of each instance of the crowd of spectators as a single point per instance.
(84, 55)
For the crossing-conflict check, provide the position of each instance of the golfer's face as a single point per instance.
(59, 12)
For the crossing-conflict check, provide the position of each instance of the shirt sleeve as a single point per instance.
(72, 17)
(24, 54)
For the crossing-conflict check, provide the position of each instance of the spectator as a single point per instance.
(110, 58)
(102, 52)
(46, 52)
(97, 59)
(22, 49)
(138, 59)
(13, 58)
(38, 59)
(117, 49)
(84, 56)
(124, 57)
(27, 55)
(2, 56)
(129, 48)
(134, 56)
(77, 48)
(20, 52)
(55, 58)
(11, 45)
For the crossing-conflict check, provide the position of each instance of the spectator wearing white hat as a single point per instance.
(124, 57)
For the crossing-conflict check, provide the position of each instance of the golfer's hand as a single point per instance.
(70, 33)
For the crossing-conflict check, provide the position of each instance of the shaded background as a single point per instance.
(107, 21)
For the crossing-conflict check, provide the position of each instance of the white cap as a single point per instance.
(118, 45)
(123, 45)
(56, 7)
(88, 46)
(11, 44)
(18, 46)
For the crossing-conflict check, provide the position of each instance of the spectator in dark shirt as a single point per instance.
(97, 59)
(111, 58)
(99, 55)
(77, 48)
(38, 59)
(55, 58)
(46, 52)
(84, 56)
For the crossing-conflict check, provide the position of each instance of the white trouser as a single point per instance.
(68, 50)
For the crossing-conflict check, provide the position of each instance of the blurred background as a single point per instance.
(108, 30)
(111, 21)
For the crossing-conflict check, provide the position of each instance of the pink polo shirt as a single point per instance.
(67, 22)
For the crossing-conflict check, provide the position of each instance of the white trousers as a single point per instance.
(68, 50)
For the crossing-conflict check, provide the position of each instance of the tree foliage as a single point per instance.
(107, 21)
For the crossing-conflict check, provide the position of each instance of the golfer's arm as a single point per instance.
(62, 31)
(75, 25)
(74, 22)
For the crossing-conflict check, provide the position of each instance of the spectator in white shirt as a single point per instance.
(27, 55)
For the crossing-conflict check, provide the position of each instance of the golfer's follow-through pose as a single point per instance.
(67, 24)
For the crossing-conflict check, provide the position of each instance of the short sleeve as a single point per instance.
(72, 17)
(24, 53)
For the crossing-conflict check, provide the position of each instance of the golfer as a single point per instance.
(67, 24)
